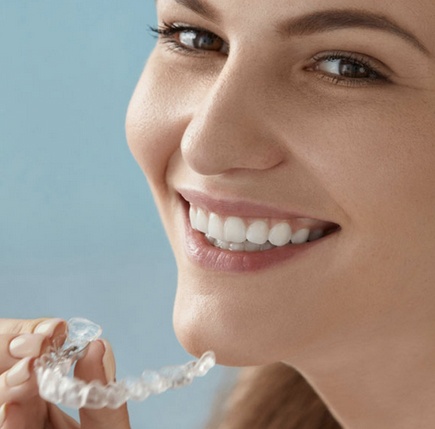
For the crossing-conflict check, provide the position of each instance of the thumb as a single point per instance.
(99, 364)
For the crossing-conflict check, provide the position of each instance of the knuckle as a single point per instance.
(29, 325)
(19, 326)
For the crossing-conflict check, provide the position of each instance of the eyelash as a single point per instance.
(377, 76)
(166, 32)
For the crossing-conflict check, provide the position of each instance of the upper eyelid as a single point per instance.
(178, 26)
(182, 25)
(169, 29)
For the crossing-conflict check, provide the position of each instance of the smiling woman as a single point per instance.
(290, 150)
(290, 147)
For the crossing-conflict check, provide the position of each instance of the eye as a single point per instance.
(190, 39)
(346, 68)
(204, 40)
(349, 68)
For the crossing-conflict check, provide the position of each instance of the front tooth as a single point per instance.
(201, 221)
(300, 236)
(280, 234)
(216, 227)
(192, 216)
(234, 230)
(258, 232)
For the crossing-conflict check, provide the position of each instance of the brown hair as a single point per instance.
(272, 397)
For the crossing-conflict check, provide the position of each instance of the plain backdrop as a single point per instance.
(79, 233)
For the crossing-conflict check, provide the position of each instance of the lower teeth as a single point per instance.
(246, 246)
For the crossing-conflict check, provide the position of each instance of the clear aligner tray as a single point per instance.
(55, 386)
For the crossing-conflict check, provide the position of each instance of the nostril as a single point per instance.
(212, 146)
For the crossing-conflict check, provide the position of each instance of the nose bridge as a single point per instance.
(228, 129)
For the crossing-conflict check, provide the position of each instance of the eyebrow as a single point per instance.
(200, 8)
(323, 21)
(336, 19)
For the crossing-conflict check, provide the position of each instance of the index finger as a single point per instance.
(44, 326)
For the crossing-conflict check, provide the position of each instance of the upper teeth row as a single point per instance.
(234, 229)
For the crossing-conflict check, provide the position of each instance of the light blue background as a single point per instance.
(79, 233)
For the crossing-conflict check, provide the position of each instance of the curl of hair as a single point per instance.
(272, 397)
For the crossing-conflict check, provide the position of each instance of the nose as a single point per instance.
(229, 129)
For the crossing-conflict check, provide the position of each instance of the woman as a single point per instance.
(289, 148)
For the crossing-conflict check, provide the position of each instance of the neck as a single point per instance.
(388, 383)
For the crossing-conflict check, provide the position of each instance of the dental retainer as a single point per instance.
(55, 386)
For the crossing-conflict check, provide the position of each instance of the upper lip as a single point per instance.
(233, 206)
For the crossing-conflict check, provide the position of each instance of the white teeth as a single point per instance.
(202, 221)
(258, 232)
(236, 234)
(222, 244)
(300, 236)
(192, 217)
(280, 234)
(234, 230)
(252, 247)
(237, 247)
(267, 246)
(216, 227)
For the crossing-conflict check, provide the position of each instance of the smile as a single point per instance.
(255, 234)
(233, 235)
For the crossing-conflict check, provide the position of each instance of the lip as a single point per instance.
(241, 208)
(201, 252)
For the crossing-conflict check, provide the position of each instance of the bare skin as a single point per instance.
(335, 121)
(21, 341)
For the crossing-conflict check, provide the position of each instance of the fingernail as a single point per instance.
(19, 373)
(108, 362)
(51, 327)
(26, 345)
(2, 414)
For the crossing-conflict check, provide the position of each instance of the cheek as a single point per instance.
(377, 162)
(161, 108)
(155, 122)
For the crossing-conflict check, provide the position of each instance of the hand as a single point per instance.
(21, 341)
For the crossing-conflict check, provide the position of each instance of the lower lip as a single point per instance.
(200, 251)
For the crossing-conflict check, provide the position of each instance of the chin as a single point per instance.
(207, 322)
(196, 339)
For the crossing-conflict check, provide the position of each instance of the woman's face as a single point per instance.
(281, 121)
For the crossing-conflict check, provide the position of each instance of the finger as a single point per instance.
(60, 420)
(13, 348)
(34, 414)
(2, 415)
(50, 328)
(18, 384)
(12, 417)
(99, 364)
(11, 328)
(20, 326)
(31, 415)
